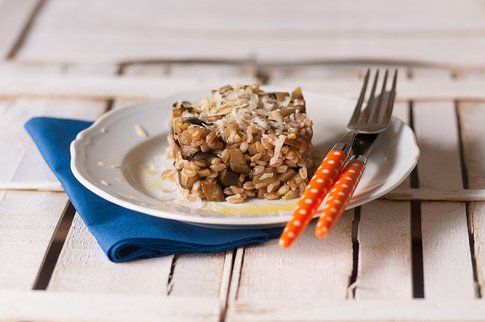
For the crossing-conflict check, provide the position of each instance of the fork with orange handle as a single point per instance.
(339, 173)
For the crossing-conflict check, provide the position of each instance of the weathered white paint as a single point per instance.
(101, 87)
(311, 268)
(27, 223)
(472, 116)
(447, 262)
(384, 236)
(318, 309)
(64, 306)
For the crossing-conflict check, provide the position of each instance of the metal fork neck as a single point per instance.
(345, 143)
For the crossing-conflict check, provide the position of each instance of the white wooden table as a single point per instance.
(416, 254)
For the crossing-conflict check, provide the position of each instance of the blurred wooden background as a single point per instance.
(417, 254)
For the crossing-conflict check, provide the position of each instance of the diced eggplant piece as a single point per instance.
(270, 95)
(202, 156)
(280, 96)
(187, 151)
(177, 153)
(179, 109)
(185, 105)
(228, 178)
(226, 88)
(178, 125)
(237, 163)
(196, 121)
(287, 111)
(186, 181)
(211, 189)
(298, 94)
(176, 112)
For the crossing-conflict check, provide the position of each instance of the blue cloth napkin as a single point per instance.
(124, 234)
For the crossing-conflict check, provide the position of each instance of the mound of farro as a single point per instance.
(241, 143)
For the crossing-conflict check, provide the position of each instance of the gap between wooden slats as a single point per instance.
(384, 238)
(472, 117)
(448, 271)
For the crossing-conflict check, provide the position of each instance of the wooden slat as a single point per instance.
(366, 310)
(436, 194)
(198, 275)
(477, 219)
(54, 306)
(447, 262)
(214, 16)
(83, 267)
(101, 87)
(384, 251)
(297, 73)
(14, 18)
(472, 118)
(216, 31)
(198, 72)
(410, 49)
(429, 74)
(312, 268)
(27, 223)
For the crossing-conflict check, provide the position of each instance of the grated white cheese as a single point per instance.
(277, 149)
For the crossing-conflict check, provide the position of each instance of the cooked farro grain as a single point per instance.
(241, 143)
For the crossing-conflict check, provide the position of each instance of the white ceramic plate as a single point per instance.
(112, 159)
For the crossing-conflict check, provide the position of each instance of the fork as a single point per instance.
(362, 130)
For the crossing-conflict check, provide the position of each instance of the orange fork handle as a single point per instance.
(314, 194)
(339, 197)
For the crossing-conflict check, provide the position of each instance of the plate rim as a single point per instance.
(236, 221)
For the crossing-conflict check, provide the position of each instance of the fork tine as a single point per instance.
(358, 107)
(376, 112)
(390, 103)
(365, 115)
